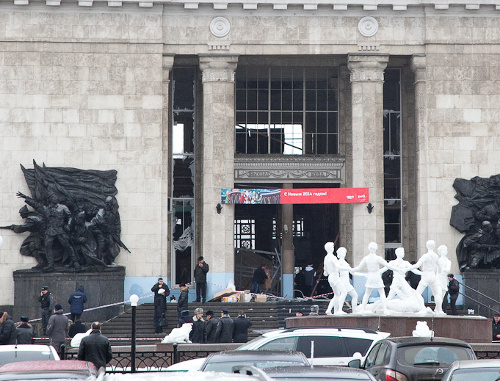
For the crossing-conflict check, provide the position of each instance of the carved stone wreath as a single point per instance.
(368, 26)
(220, 26)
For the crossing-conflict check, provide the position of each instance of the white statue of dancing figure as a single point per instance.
(344, 276)
(332, 270)
(429, 265)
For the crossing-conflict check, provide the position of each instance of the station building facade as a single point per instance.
(185, 98)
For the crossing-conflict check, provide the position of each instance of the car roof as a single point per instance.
(473, 364)
(25, 347)
(334, 372)
(48, 366)
(246, 355)
(410, 340)
(192, 375)
(337, 331)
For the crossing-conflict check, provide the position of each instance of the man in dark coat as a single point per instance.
(46, 300)
(200, 277)
(259, 277)
(182, 303)
(77, 327)
(240, 328)
(453, 290)
(495, 327)
(210, 327)
(198, 332)
(224, 331)
(185, 318)
(76, 301)
(57, 329)
(161, 292)
(95, 347)
(24, 332)
(7, 329)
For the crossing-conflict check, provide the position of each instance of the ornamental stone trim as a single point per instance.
(368, 26)
(220, 27)
(289, 169)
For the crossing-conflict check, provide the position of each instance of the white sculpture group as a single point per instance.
(401, 298)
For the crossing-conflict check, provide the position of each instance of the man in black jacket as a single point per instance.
(211, 327)
(95, 347)
(24, 332)
(161, 292)
(224, 331)
(495, 327)
(46, 300)
(259, 277)
(240, 328)
(453, 289)
(182, 303)
(7, 329)
(200, 277)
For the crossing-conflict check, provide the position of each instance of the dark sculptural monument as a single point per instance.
(478, 253)
(73, 231)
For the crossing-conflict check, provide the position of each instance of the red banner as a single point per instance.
(324, 196)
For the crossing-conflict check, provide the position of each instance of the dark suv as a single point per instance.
(414, 358)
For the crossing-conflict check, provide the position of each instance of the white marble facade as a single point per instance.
(86, 84)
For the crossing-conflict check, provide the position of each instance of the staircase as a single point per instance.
(264, 317)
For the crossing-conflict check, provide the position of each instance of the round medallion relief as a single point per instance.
(220, 26)
(368, 26)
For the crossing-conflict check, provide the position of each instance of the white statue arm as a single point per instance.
(358, 267)
(415, 266)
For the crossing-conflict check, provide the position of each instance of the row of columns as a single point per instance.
(367, 78)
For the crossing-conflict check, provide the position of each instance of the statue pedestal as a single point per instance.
(101, 288)
(487, 282)
(472, 329)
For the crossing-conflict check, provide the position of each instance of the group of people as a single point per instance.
(216, 330)
(433, 269)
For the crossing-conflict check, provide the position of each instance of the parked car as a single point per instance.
(50, 370)
(466, 370)
(318, 373)
(192, 375)
(332, 345)
(26, 352)
(224, 361)
(414, 358)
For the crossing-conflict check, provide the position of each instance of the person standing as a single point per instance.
(224, 331)
(197, 334)
(210, 327)
(182, 303)
(259, 277)
(200, 277)
(453, 290)
(240, 328)
(57, 329)
(46, 300)
(7, 329)
(24, 332)
(95, 347)
(309, 279)
(495, 328)
(161, 292)
(76, 327)
(76, 301)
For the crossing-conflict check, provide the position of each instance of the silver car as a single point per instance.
(480, 370)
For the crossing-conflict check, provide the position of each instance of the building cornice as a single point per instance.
(280, 5)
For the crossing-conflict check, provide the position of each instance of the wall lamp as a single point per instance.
(370, 208)
(218, 208)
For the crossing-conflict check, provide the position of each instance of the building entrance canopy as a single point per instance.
(295, 196)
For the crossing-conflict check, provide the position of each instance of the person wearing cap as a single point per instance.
(240, 328)
(200, 277)
(161, 292)
(453, 290)
(314, 310)
(46, 300)
(24, 332)
(76, 301)
(182, 303)
(495, 327)
(7, 329)
(224, 331)
(198, 332)
(57, 329)
(184, 318)
(210, 327)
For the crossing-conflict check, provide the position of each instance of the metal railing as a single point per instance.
(477, 301)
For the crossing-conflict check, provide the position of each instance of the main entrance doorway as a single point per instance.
(258, 239)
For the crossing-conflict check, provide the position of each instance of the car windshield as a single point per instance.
(432, 355)
(16, 356)
(227, 366)
(477, 374)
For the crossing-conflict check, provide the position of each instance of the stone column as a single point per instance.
(217, 166)
(418, 65)
(165, 261)
(288, 254)
(367, 78)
